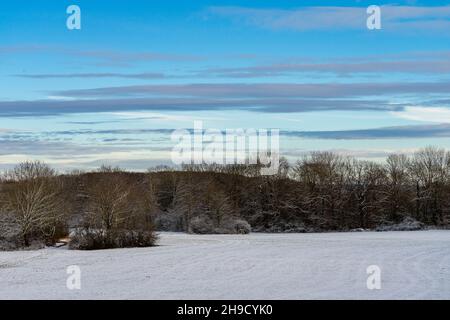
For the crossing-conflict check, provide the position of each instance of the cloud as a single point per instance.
(139, 149)
(30, 145)
(145, 76)
(394, 18)
(122, 58)
(261, 97)
(110, 131)
(271, 105)
(373, 154)
(425, 114)
(339, 68)
(8, 50)
(162, 136)
(399, 132)
(307, 18)
(260, 90)
(100, 57)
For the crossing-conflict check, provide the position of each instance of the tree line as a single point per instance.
(322, 191)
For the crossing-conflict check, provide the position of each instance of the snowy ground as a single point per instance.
(414, 265)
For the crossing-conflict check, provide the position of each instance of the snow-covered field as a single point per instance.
(414, 265)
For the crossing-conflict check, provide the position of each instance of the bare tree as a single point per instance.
(33, 198)
(187, 199)
(217, 204)
(107, 205)
(398, 189)
(324, 177)
(429, 169)
(30, 170)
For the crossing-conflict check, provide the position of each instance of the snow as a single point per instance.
(414, 265)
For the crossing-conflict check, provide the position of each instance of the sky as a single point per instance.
(113, 91)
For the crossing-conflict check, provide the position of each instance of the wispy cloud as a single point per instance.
(373, 154)
(107, 58)
(116, 58)
(272, 105)
(263, 97)
(71, 156)
(338, 18)
(399, 132)
(259, 90)
(424, 114)
(144, 76)
(339, 68)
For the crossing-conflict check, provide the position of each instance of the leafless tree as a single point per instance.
(33, 198)
(217, 204)
(398, 188)
(187, 198)
(429, 169)
(108, 206)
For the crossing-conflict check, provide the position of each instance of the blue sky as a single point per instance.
(113, 91)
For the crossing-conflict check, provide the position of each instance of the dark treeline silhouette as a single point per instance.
(322, 191)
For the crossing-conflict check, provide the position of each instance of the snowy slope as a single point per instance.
(256, 266)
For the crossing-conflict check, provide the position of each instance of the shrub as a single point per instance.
(9, 234)
(408, 224)
(201, 225)
(205, 225)
(90, 239)
(169, 221)
(241, 226)
(11, 237)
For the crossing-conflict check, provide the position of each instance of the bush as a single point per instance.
(408, 224)
(284, 227)
(239, 226)
(169, 221)
(201, 225)
(205, 225)
(11, 237)
(90, 239)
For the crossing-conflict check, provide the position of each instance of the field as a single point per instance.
(414, 265)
